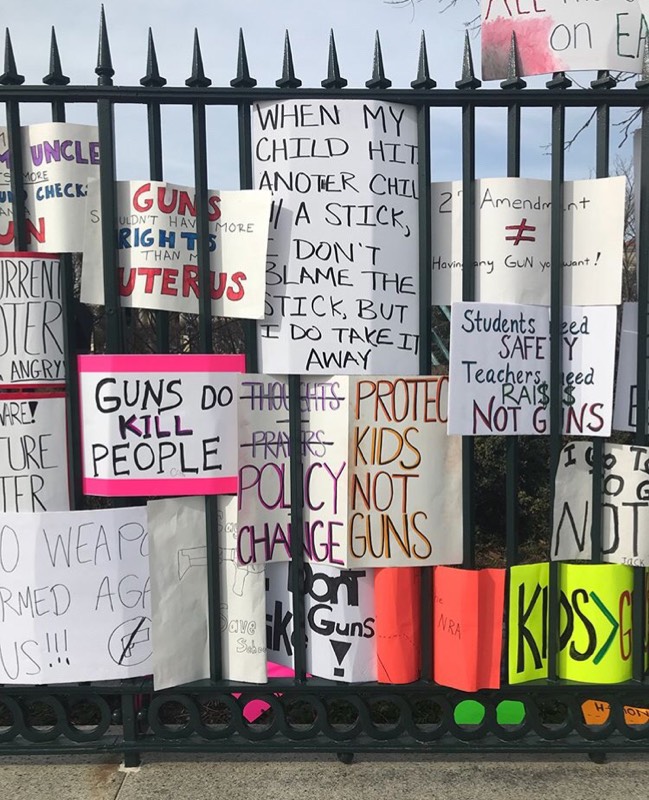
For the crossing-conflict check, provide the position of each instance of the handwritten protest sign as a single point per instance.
(558, 37)
(59, 158)
(398, 629)
(74, 596)
(405, 494)
(340, 621)
(179, 595)
(500, 369)
(342, 279)
(159, 424)
(512, 252)
(264, 518)
(625, 504)
(626, 383)
(595, 623)
(31, 320)
(33, 452)
(157, 248)
(528, 622)
(467, 627)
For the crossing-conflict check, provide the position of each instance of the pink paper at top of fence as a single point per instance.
(159, 424)
(561, 36)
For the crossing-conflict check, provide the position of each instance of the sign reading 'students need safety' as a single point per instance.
(159, 425)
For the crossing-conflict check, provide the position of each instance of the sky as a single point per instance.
(354, 23)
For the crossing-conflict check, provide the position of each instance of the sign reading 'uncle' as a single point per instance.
(341, 276)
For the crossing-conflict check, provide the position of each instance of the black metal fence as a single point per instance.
(309, 714)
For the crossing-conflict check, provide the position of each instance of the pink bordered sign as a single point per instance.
(159, 425)
(31, 321)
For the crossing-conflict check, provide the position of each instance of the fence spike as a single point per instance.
(198, 78)
(604, 80)
(513, 80)
(334, 80)
(55, 76)
(643, 83)
(243, 80)
(104, 66)
(378, 79)
(423, 79)
(288, 79)
(153, 76)
(468, 80)
(559, 81)
(10, 76)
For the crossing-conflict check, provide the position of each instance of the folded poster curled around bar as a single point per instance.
(561, 37)
(75, 596)
(59, 158)
(467, 627)
(381, 478)
(626, 381)
(512, 250)
(159, 424)
(157, 248)
(595, 623)
(398, 624)
(342, 277)
(33, 452)
(179, 596)
(340, 621)
(500, 369)
(624, 504)
(31, 320)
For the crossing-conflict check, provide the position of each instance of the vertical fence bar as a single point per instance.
(246, 182)
(556, 312)
(512, 443)
(154, 129)
(206, 346)
(640, 436)
(468, 293)
(12, 108)
(296, 568)
(425, 349)
(70, 348)
(602, 147)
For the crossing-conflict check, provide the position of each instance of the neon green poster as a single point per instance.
(528, 622)
(595, 623)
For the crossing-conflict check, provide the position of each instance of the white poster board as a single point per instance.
(264, 512)
(75, 596)
(342, 273)
(59, 158)
(33, 453)
(513, 239)
(159, 424)
(405, 506)
(31, 320)
(562, 36)
(179, 596)
(157, 248)
(624, 498)
(500, 369)
(340, 621)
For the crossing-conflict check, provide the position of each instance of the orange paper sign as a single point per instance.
(467, 634)
(398, 638)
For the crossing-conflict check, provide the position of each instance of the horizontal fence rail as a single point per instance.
(312, 714)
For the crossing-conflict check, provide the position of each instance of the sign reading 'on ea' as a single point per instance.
(159, 424)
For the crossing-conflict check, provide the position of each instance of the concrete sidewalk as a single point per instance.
(324, 778)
